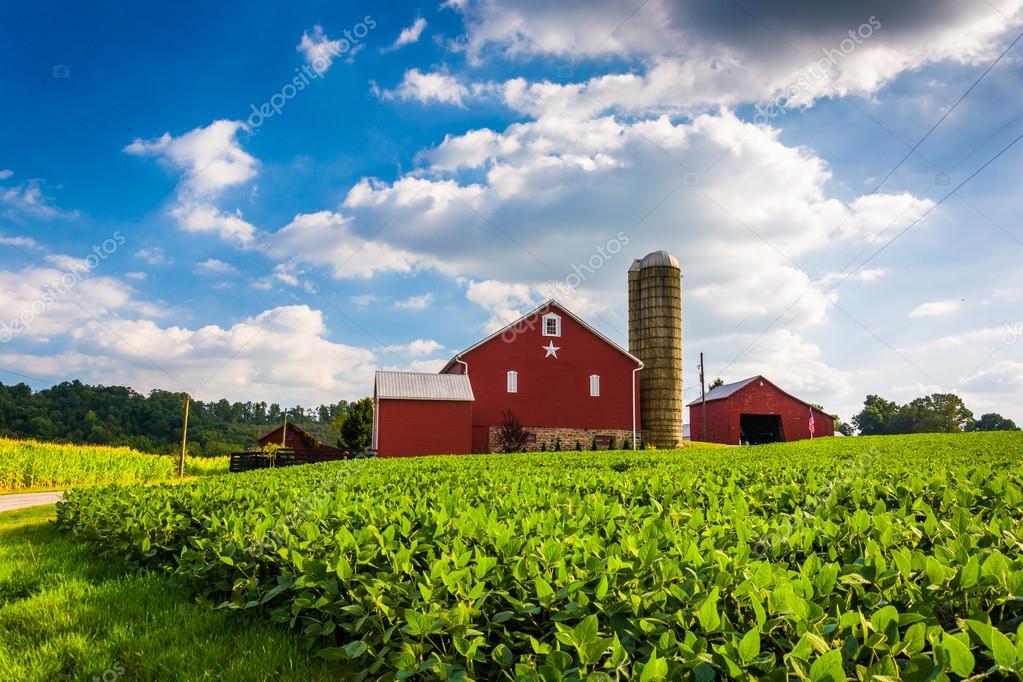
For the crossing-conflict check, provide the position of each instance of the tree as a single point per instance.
(936, 413)
(992, 421)
(717, 382)
(876, 417)
(354, 426)
(511, 436)
(842, 427)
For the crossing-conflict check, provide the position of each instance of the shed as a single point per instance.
(293, 436)
(756, 411)
(421, 414)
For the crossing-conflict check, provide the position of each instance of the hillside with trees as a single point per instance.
(936, 413)
(114, 415)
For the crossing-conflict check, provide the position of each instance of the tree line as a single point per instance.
(115, 415)
(936, 413)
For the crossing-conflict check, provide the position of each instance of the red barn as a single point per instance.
(292, 436)
(415, 413)
(756, 411)
(562, 379)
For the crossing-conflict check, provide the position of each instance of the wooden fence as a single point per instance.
(284, 457)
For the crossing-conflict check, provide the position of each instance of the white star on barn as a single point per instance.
(551, 349)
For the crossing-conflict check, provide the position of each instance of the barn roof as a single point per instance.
(550, 303)
(725, 390)
(422, 386)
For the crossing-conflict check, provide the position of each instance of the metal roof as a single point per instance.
(725, 390)
(423, 386)
(659, 259)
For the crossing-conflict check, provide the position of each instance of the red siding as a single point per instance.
(293, 439)
(759, 397)
(407, 428)
(552, 392)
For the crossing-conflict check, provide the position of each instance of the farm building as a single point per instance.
(562, 379)
(295, 437)
(415, 413)
(756, 411)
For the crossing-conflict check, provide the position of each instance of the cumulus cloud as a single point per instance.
(418, 348)
(318, 50)
(935, 309)
(706, 52)
(211, 159)
(434, 86)
(212, 266)
(419, 302)
(154, 256)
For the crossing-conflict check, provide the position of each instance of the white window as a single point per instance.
(513, 381)
(594, 385)
(551, 324)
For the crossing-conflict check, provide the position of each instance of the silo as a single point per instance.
(655, 337)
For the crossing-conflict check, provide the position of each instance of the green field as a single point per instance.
(862, 557)
(33, 465)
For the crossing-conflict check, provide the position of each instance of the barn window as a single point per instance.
(551, 325)
(594, 385)
(513, 381)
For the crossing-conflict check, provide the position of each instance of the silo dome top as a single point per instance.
(659, 259)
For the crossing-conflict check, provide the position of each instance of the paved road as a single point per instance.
(12, 502)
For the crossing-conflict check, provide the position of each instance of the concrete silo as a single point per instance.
(655, 337)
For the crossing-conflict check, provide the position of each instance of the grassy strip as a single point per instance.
(67, 615)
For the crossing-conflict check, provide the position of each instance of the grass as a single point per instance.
(67, 615)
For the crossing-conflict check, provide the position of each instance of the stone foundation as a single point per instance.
(549, 436)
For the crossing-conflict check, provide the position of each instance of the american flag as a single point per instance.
(811, 424)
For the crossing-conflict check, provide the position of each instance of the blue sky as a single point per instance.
(444, 168)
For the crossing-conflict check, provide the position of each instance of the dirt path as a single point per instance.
(22, 500)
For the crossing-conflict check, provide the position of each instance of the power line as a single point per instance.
(946, 114)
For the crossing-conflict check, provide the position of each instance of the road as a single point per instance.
(20, 501)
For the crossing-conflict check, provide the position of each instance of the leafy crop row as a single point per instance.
(26, 464)
(888, 557)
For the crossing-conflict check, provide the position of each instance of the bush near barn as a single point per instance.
(875, 557)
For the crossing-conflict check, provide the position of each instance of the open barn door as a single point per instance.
(757, 429)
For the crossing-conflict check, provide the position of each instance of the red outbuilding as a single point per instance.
(415, 413)
(756, 411)
(564, 381)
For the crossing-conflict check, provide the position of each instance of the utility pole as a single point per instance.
(703, 403)
(184, 441)
(284, 431)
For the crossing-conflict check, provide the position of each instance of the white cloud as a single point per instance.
(27, 199)
(409, 35)
(137, 276)
(40, 302)
(366, 299)
(935, 309)
(203, 217)
(6, 173)
(19, 241)
(154, 256)
(700, 54)
(435, 86)
(212, 266)
(326, 239)
(319, 51)
(416, 348)
(420, 302)
(211, 159)
(281, 354)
